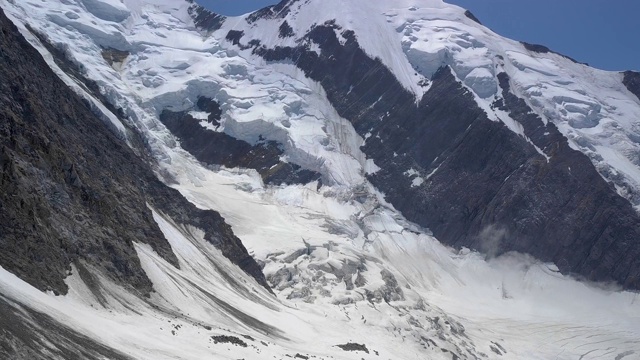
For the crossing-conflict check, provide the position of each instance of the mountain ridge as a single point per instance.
(320, 156)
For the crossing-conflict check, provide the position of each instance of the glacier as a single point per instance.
(346, 267)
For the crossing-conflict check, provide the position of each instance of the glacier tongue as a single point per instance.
(346, 267)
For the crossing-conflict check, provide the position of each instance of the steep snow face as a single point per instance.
(345, 265)
(591, 107)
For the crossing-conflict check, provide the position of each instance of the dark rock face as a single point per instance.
(285, 30)
(205, 19)
(354, 347)
(536, 47)
(543, 50)
(73, 192)
(234, 36)
(632, 81)
(470, 15)
(212, 107)
(218, 148)
(484, 186)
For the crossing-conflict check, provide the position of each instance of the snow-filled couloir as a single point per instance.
(354, 274)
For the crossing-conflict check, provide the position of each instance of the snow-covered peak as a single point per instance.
(413, 39)
(372, 22)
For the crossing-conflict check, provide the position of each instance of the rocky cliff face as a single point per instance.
(632, 81)
(73, 192)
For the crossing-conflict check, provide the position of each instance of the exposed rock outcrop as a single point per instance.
(632, 81)
(205, 19)
(543, 50)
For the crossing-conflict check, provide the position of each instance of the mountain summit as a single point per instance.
(317, 179)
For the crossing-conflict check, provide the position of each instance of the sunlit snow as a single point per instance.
(345, 266)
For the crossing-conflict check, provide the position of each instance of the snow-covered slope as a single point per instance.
(493, 78)
(345, 265)
(591, 107)
(432, 298)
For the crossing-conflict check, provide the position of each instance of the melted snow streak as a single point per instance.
(349, 272)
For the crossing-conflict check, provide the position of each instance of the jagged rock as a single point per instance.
(285, 30)
(226, 339)
(354, 347)
(632, 81)
(470, 15)
(205, 19)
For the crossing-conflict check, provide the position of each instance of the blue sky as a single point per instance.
(603, 33)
